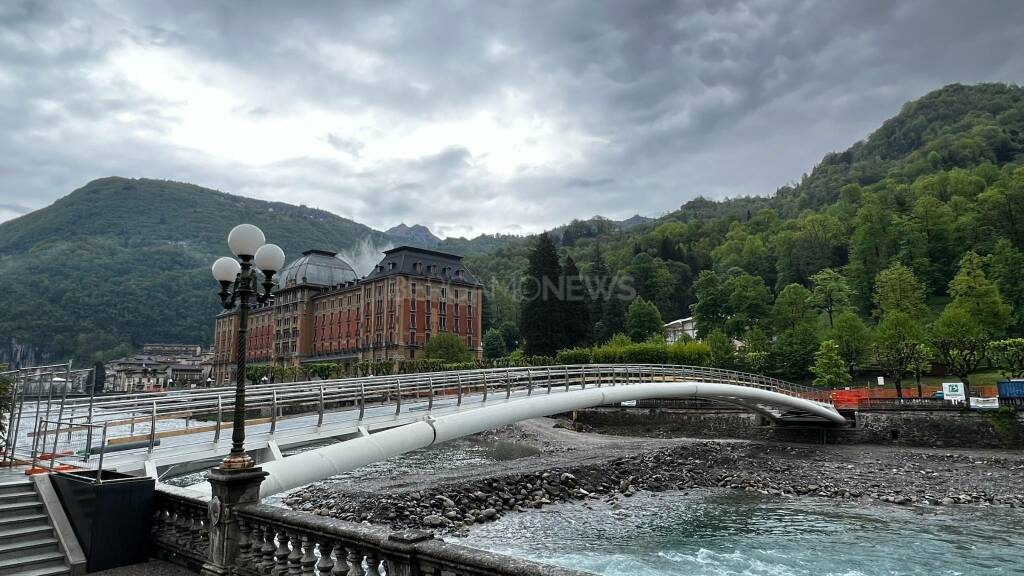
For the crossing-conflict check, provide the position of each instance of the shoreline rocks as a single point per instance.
(770, 470)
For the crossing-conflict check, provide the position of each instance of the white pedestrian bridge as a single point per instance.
(372, 418)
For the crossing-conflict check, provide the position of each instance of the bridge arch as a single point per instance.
(304, 468)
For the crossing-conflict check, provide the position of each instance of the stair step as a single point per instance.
(23, 520)
(55, 570)
(34, 544)
(24, 532)
(12, 497)
(16, 486)
(22, 564)
(6, 509)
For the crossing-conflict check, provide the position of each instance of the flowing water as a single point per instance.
(719, 532)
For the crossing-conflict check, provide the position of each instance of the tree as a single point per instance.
(1005, 266)
(542, 314)
(829, 368)
(960, 342)
(494, 344)
(792, 308)
(448, 347)
(897, 339)
(643, 320)
(978, 297)
(598, 281)
(852, 337)
(1009, 355)
(510, 334)
(712, 307)
(576, 306)
(793, 351)
(898, 290)
(920, 363)
(831, 293)
(749, 302)
(613, 319)
(722, 349)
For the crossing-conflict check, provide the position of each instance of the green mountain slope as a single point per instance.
(942, 177)
(120, 261)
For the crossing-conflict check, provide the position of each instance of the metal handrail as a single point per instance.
(320, 396)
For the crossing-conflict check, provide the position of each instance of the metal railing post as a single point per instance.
(56, 437)
(273, 411)
(548, 379)
(459, 402)
(362, 399)
(152, 426)
(220, 419)
(430, 390)
(103, 449)
(485, 387)
(321, 408)
(566, 378)
(529, 382)
(398, 396)
(508, 388)
(88, 442)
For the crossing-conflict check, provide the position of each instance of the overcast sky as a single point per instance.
(470, 116)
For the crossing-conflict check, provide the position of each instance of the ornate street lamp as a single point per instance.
(238, 283)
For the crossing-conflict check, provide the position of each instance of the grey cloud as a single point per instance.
(682, 99)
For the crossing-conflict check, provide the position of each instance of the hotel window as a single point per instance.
(442, 321)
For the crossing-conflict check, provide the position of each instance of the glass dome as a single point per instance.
(317, 267)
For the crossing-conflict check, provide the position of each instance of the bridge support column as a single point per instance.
(229, 489)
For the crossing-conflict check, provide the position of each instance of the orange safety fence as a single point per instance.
(851, 399)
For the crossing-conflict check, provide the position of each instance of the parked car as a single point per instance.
(939, 395)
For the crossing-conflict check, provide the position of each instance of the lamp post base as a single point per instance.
(231, 488)
(235, 462)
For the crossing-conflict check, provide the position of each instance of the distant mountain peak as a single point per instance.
(416, 234)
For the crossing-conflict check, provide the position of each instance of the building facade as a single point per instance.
(158, 367)
(322, 311)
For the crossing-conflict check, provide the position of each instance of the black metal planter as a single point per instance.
(111, 514)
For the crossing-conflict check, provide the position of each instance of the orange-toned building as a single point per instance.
(322, 312)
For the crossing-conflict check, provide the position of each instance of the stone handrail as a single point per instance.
(273, 541)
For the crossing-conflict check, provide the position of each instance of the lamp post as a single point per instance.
(238, 284)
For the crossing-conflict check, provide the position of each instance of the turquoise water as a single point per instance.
(714, 532)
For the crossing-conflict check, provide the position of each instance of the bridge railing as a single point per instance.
(275, 540)
(140, 420)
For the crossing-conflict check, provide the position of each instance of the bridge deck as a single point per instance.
(177, 428)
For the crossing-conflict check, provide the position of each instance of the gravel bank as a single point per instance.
(581, 466)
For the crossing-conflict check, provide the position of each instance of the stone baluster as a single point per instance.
(295, 557)
(308, 560)
(182, 524)
(281, 554)
(159, 521)
(372, 563)
(355, 563)
(268, 550)
(341, 567)
(325, 564)
(195, 529)
(244, 557)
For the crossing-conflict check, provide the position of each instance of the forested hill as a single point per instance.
(121, 261)
(942, 177)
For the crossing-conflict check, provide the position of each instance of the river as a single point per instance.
(719, 532)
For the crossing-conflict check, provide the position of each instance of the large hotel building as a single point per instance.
(323, 312)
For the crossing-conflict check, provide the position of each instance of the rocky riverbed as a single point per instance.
(574, 466)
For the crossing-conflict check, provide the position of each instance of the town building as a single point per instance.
(323, 312)
(158, 367)
(676, 329)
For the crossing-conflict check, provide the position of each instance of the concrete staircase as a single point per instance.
(28, 542)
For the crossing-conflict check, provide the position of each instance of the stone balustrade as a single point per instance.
(275, 541)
